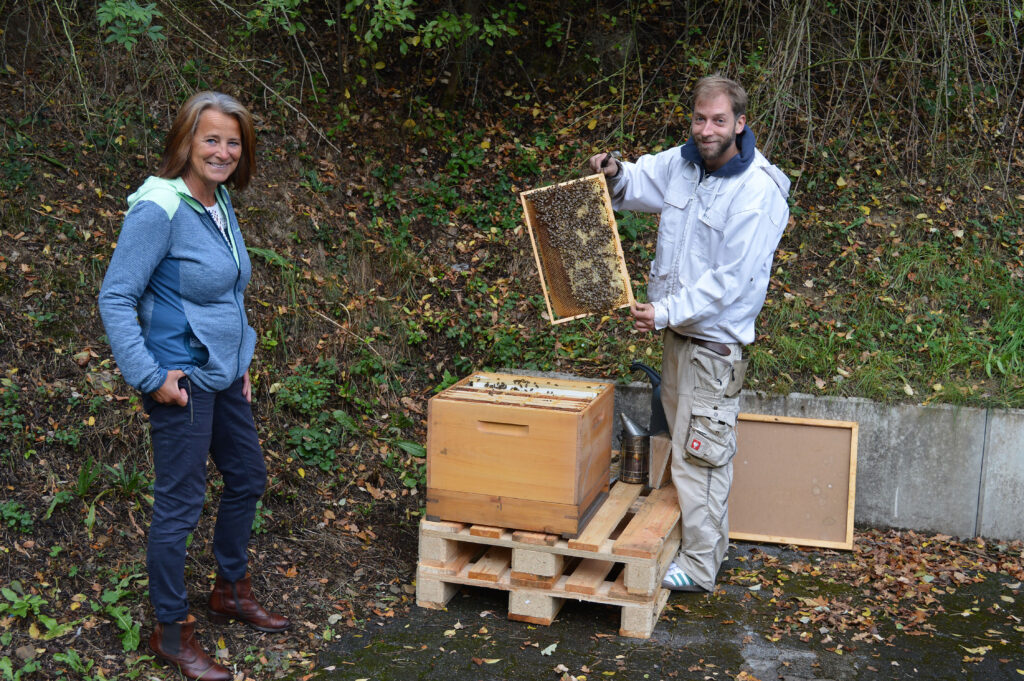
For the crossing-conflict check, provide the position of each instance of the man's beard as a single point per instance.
(717, 151)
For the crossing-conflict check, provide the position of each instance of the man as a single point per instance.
(723, 210)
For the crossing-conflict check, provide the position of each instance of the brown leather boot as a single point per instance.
(235, 601)
(176, 643)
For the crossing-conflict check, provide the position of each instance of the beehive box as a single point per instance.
(519, 452)
(577, 249)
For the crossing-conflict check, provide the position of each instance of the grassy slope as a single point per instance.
(390, 260)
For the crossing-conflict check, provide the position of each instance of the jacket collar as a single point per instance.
(735, 165)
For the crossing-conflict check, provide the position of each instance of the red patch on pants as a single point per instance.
(695, 445)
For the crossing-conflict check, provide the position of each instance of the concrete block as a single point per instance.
(436, 551)
(533, 607)
(637, 621)
(1002, 486)
(541, 563)
(433, 593)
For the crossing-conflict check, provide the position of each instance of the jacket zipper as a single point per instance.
(205, 217)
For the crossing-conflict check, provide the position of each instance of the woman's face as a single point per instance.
(216, 148)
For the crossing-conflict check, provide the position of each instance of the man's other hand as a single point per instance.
(643, 316)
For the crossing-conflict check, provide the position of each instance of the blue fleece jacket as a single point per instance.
(173, 296)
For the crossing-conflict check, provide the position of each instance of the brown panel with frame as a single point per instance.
(794, 481)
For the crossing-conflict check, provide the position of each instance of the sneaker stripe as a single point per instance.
(676, 577)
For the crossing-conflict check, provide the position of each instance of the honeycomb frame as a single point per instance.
(563, 284)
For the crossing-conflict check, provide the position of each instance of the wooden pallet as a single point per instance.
(618, 560)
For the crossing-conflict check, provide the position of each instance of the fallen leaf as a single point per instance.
(550, 649)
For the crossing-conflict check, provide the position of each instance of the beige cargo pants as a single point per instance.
(700, 392)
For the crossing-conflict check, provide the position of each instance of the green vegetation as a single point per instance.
(391, 259)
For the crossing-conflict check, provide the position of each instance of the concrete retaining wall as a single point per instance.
(953, 470)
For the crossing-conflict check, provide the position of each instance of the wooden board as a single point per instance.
(659, 470)
(607, 517)
(794, 481)
(644, 536)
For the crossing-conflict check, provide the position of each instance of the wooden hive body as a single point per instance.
(519, 452)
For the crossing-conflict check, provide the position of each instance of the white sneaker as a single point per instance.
(677, 580)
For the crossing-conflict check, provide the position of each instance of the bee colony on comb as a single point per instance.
(576, 245)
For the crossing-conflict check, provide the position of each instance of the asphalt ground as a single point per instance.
(759, 624)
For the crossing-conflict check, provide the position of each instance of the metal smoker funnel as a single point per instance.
(634, 452)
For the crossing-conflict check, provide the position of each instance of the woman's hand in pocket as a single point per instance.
(170, 392)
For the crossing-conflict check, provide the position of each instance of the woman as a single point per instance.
(173, 309)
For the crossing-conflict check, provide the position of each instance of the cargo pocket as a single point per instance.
(712, 372)
(711, 440)
(735, 384)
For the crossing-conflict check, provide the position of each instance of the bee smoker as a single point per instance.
(634, 452)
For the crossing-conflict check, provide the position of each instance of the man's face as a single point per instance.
(714, 129)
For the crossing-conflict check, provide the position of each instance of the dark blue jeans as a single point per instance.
(218, 424)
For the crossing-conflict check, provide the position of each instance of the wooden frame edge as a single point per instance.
(536, 255)
(623, 270)
(796, 541)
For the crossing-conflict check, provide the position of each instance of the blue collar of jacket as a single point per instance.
(735, 165)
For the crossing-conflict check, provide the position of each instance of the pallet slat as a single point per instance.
(485, 531)
(539, 538)
(492, 565)
(645, 534)
(588, 576)
(607, 517)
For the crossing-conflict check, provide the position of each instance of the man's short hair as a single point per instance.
(710, 86)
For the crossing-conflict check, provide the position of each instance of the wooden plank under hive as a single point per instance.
(519, 452)
(576, 246)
